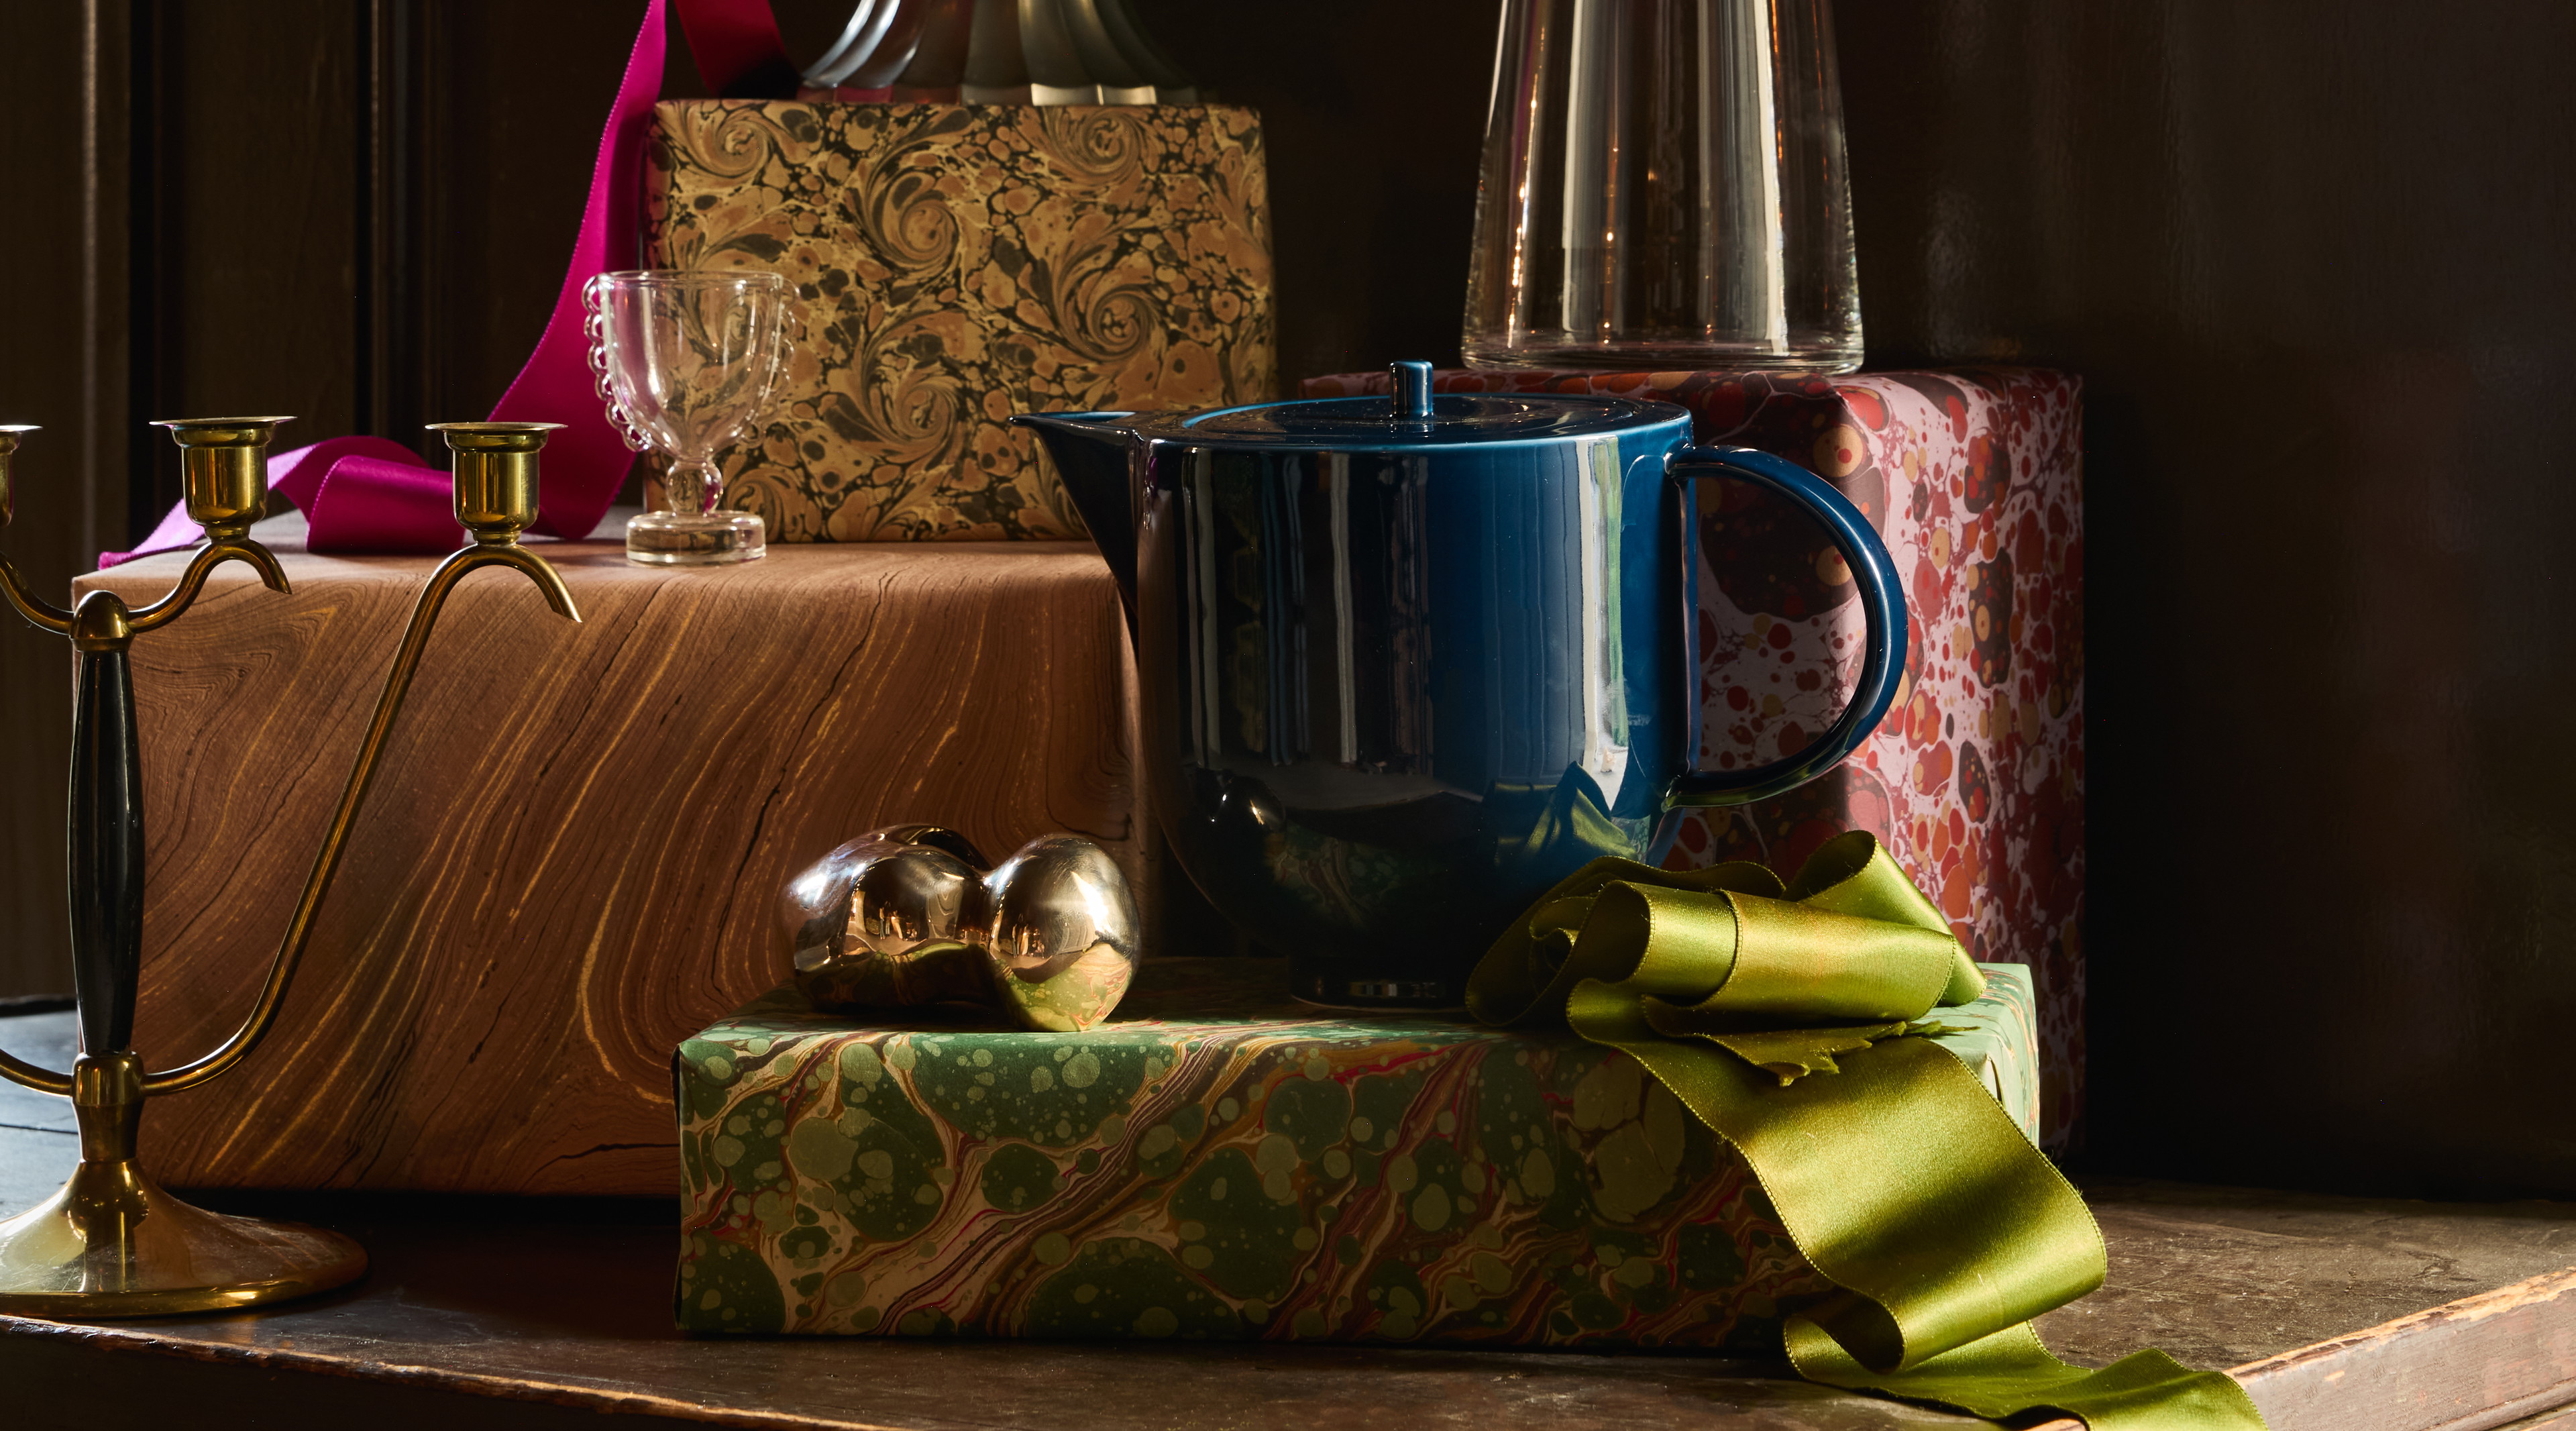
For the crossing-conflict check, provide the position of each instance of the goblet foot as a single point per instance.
(675, 539)
(111, 1243)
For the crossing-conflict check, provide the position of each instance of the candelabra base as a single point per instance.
(112, 1244)
(671, 539)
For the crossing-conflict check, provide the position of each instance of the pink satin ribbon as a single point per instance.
(371, 494)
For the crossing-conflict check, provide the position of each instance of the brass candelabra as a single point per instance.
(111, 1243)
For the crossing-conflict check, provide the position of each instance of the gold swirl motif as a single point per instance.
(1120, 321)
(914, 227)
(916, 417)
(895, 200)
(731, 141)
(1097, 147)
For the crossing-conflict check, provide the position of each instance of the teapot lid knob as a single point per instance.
(1412, 390)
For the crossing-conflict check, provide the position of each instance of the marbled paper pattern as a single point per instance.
(1218, 1161)
(956, 264)
(1976, 779)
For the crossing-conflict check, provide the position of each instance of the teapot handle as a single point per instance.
(1882, 602)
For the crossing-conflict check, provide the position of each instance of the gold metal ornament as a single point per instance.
(111, 1243)
(910, 915)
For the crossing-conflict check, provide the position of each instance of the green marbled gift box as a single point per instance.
(1220, 1161)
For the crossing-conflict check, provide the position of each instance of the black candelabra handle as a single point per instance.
(106, 850)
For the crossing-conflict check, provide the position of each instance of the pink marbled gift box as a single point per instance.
(1976, 779)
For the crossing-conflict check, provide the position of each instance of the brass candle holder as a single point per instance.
(111, 1243)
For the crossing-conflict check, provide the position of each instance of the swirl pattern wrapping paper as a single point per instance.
(955, 264)
(1218, 1161)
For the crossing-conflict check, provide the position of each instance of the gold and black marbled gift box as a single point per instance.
(960, 263)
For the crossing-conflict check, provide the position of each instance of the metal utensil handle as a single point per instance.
(1882, 602)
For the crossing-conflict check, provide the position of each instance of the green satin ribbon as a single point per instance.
(1780, 1015)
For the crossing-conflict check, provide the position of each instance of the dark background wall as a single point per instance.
(2309, 257)
(2302, 253)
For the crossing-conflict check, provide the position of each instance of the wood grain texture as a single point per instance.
(2469, 1365)
(2503, 1360)
(575, 837)
(2230, 1276)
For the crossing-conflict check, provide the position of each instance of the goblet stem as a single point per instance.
(700, 487)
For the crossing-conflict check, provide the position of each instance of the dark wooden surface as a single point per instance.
(2225, 1276)
(2340, 1314)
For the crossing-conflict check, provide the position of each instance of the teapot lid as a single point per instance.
(1414, 417)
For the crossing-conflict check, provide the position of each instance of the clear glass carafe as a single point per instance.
(1664, 188)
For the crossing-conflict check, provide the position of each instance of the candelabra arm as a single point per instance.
(290, 949)
(35, 608)
(43, 1080)
(208, 557)
(551, 583)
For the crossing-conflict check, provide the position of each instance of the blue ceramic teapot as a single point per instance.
(1406, 663)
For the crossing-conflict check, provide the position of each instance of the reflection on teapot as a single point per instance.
(1406, 663)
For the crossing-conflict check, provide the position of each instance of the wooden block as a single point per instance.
(569, 858)
(2464, 1366)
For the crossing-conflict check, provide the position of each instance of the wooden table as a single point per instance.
(2339, 1314)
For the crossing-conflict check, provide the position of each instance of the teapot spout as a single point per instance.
(1093, 454)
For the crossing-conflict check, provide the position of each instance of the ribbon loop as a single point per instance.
(1850, 941)
(1795, 964)
(1525, 979)
(1852, 873)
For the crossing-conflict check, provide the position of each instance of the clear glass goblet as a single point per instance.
(687, 361)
